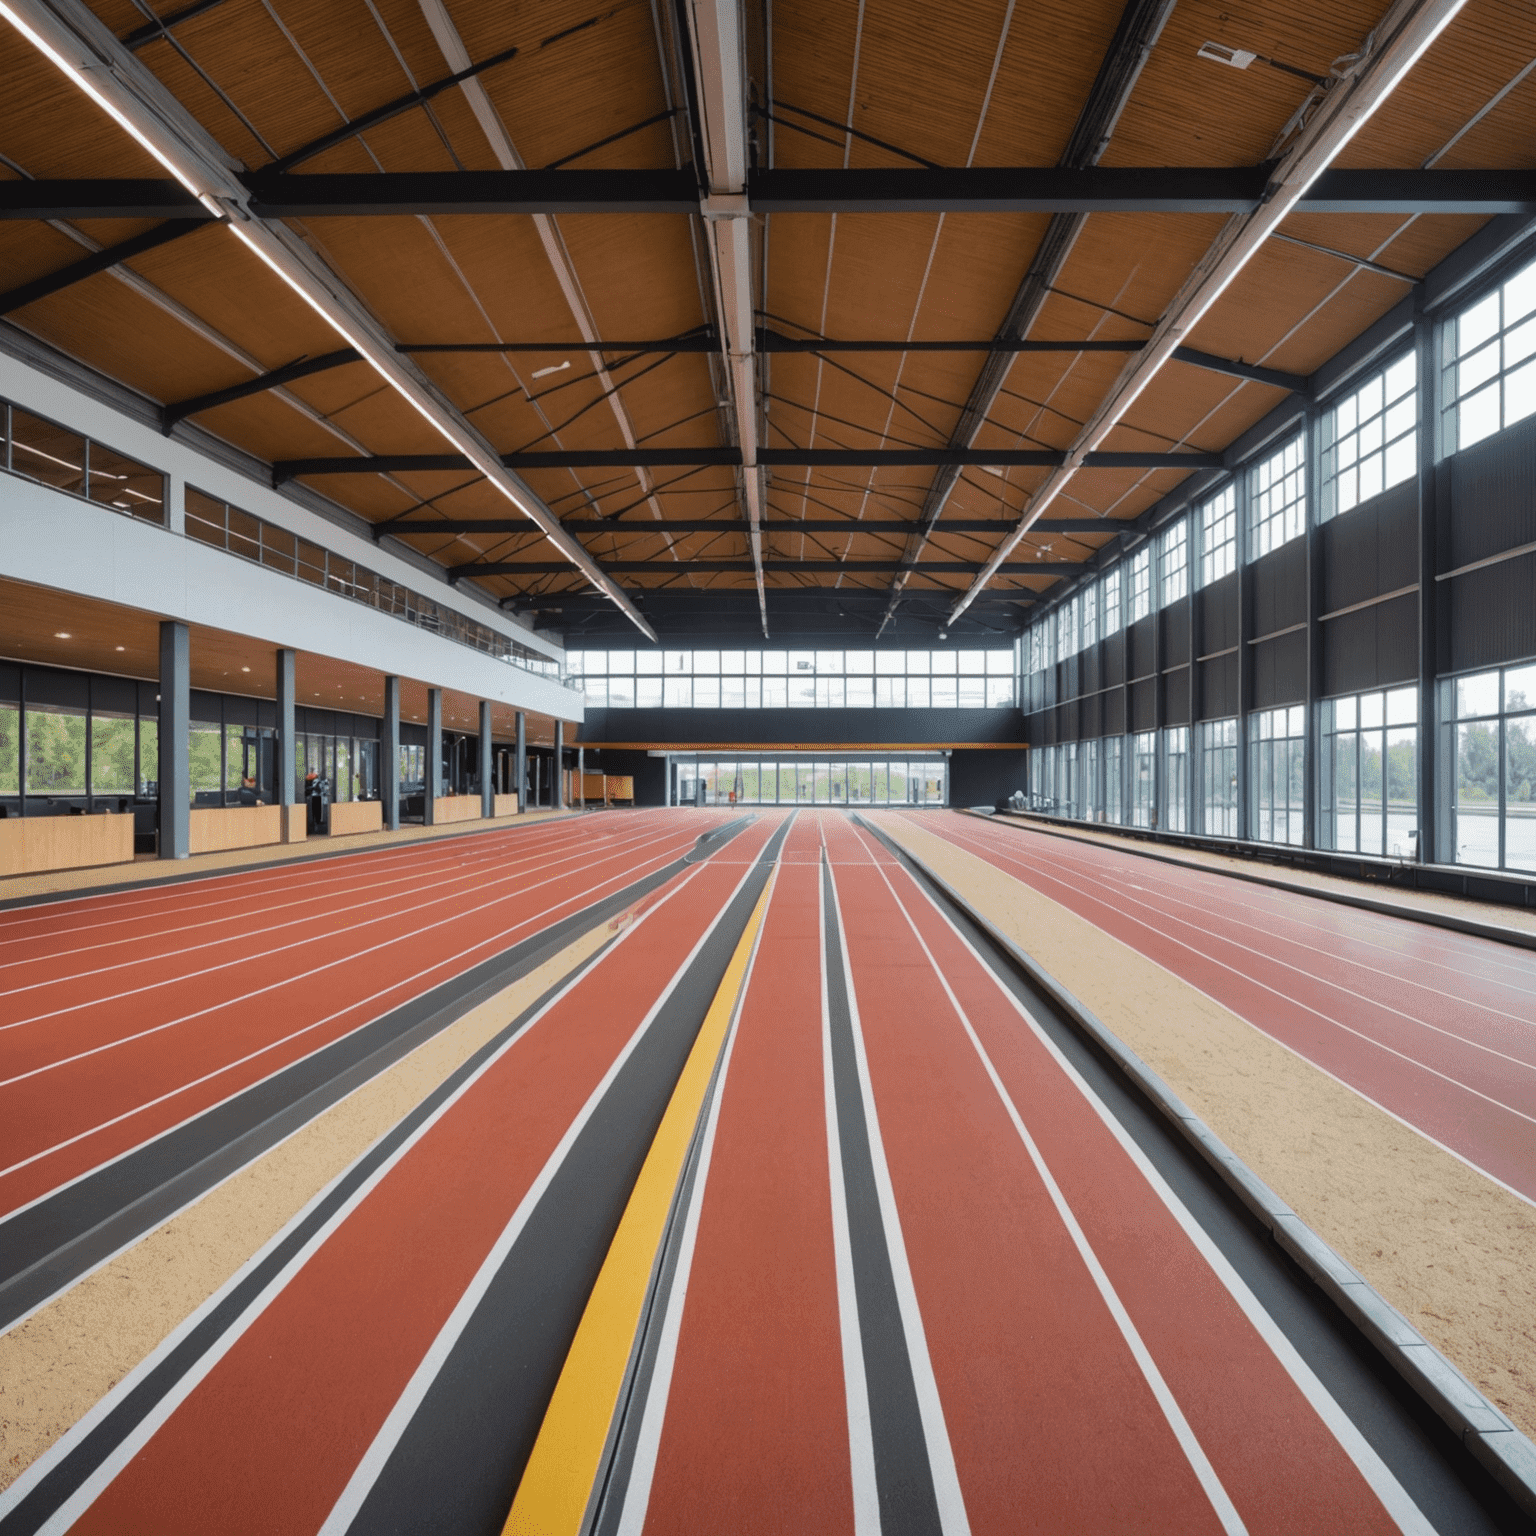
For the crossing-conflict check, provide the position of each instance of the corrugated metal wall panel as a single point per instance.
(1493, 614)
(1114, 713)
(1142, 640)
(1280, 671)
(1216, 615)
(1175, 622)
(1218, 687)
(1112, 662)
(1176, 697)
(1371, 549)
(1372, 648)
(1492, 496)
(1144, 704)
(1279, 588)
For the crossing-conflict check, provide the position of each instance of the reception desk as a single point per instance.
(31, 844)
(504, 805)
(456, 808)
(216, 829)
(351, 816)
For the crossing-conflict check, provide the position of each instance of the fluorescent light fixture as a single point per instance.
(544, 373)
(62, 634)
(1219, 53)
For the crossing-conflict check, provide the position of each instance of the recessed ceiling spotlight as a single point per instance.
(245, 669)
(544, 373)
(120, 647)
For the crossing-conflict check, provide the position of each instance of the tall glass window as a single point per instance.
(1144, 779)
(1176, 778)
(1218, 778)
(1173, 562)
(1110, 593)
(1369, 439)
(55, 750)
(1277, 774)
(1218, 536)
(1093, 781)
(1494, 805)
(1277, 499)
(1140, 599)
(1090, 609)
(1114, 780)
(1368, 800)
(1489, 361)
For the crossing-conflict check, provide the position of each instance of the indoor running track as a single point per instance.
(125, 1014)
(922, 1279)
(1433, 1026)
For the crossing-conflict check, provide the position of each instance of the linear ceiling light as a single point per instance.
(1393, 48)
(72, 38)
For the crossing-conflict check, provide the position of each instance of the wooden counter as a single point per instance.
(349, 816)
(30, 844)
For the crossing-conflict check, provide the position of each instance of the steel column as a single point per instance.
(557, 781)
(487, 789)
(1433, 817)
(175, 784)
(1311, 752)
(520, 761)
(389, 769)
(432, 786)
(287, 743)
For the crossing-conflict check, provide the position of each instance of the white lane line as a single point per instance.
(86, 1004)
(637, 1491)
(219, 1071)
(1339, 1024)
(455, 871)
(1383, 1483)
(953, 1520)
(452, 919)
(1088, 875)
(366, 1474)
(861, 1441)
(1194, 1453)
(91, 1488)
(146, 903)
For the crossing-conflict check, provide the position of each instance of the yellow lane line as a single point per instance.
(557, 1483)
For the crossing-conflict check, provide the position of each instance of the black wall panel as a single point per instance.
(1092, 719)
(1493, 614)
(1376, 647)
(1143, 661)
(1175, 622)
(1144, 704)
(1112, 657)
(1114, 712)
(1176, 697)
(1218, 687)
(1280, 671)
(1491, 500)
(1279, 588)
(1216, 615)
(649, 773)
(1371, 549)
(1091, 670)
(669, 727)
(984, 778)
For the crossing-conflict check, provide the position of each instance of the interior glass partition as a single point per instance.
(831, 782)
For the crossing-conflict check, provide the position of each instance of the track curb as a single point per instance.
(1468, 925)
(1502, 1449)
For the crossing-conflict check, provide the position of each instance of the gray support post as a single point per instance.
(433, 786)
(487, 789)
(1193, 766)
(1159, 688)
(520, 762)
(581, 777)
(287, 761)
(389, 769)
(1244, 657)
(557, 780)
(175, 720)
(1311, 753)
(1434, 818)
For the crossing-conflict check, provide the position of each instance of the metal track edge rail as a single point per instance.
(1486, 1432)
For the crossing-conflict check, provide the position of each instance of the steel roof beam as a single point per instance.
(422, 527)
(1053, 569)
(990, 189)
(73, 38)
(302, 369)
(1346, 102)
(88, 266)
(730, 458)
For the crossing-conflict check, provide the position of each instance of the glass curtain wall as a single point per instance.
(1144, 779)
(1277, 773)
(1176, 778)
(1114, 779)
(1093, 780)
(1368, 800)
(1218, 778)
(811, 782)
(1493, 738)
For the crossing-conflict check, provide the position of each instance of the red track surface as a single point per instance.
(1434, 1026)
(1052, 1422)
(123, 1015)
(756, 1434)
(270, 1437)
